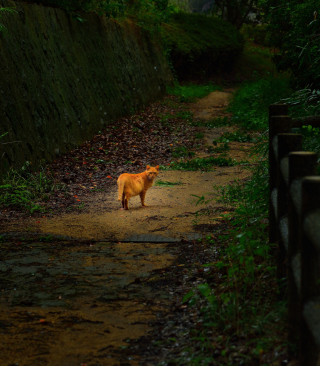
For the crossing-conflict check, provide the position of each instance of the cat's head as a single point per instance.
(152, 172)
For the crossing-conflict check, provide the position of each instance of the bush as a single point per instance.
(201, 46)
(295, 31)
(251, 102)
(147, 13)
(258, 34)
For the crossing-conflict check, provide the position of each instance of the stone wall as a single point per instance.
(63, 80)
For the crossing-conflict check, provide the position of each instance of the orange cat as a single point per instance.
(131, 185)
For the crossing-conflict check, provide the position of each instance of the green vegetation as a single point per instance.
(3, 29)
(294, 27)
(25, 190)
(163, 183)
(234, 12)
(148, 14)
(190, 92)
(219, 149)
(239, 298)
(258, 35)
(238, 136)
(250, 104)
(181, 152)
(198, 45)
(203, 164)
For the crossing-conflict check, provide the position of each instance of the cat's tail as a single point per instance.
(120, 188)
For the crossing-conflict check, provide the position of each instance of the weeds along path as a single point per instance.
(89, 299)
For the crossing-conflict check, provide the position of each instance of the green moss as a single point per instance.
(201, 45)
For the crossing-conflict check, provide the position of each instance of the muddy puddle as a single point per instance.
(67, 304)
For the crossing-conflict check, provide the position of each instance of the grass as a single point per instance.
(204, 164)
(162, 183)
(239, 298)
(250, 104)
(238, 136)
(182, 151)
(213, 123)
(242, 320)
(190, 92)
(219, 149)
(23, 190)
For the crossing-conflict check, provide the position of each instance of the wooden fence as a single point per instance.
(294, 214)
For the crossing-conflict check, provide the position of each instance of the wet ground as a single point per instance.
(67, 303)
(87, 288)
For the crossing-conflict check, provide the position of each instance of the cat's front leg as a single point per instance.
(142, 197)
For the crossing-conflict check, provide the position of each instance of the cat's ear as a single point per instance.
(157, 167)
(148, 167)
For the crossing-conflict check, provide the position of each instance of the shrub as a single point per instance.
(295, 31)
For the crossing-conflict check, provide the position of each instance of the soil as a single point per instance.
(94, 287)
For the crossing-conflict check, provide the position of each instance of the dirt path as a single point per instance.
(81, 301)
(170, 210)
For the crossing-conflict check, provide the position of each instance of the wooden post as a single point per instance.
(300, 164)
(275, 126)
(283, 144)
(310, 273)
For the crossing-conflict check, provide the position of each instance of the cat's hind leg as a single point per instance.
(126, 201)
(123, 201)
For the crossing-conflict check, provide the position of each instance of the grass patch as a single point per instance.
(181, 152)
(204, 164)
(238, 136)
(199, 135)
(163, 183)
(219, 149)
(190, 92)
(216, 122)
(242, 320)
(25, 190)
(250, 104)
(239, 297)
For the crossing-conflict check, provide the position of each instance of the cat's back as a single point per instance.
(131, 178)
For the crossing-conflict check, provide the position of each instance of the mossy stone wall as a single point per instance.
(63, 80)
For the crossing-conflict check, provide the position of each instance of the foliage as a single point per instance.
(199, 45)
(304, 102)
(258, 34)
(148, 14)
(3, 10)
(204, 164)
(234, 11)
(162, 183)
(251, 102)
(238, 136)
(23, 189)
(189, 92)
(219, 149)
(182, 151)
(294, 27)
(239, 297)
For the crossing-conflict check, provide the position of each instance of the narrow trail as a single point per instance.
(86, 299)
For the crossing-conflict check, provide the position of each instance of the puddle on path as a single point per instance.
(63, 304)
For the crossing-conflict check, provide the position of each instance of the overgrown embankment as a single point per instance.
(201, 46)
(62, 80)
